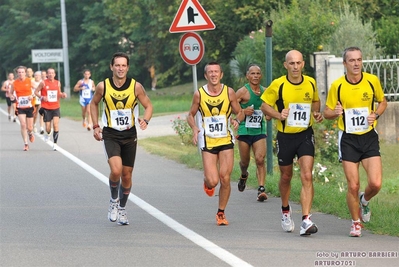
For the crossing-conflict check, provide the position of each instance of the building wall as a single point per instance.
(388, 123)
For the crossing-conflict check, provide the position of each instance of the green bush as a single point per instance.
(181, 127)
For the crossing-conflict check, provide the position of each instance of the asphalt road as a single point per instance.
(54, 213)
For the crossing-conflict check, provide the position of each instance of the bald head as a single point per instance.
(294, 64)
(293, 54)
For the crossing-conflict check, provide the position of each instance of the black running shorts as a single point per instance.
(217, 149)
(251, 139)
(9, 101)
(49, 114)
(296, 144)
(121, 144)
(354, 148)
(27, 111)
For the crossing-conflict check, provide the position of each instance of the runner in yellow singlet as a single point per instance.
(121, 96)
(352, 100)
(213, 104)
(294, 101)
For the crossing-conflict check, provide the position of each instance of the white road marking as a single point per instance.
(211, 247)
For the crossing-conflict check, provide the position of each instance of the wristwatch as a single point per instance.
(376, 115)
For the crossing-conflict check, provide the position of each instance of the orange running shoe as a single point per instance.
(84, 124)
(31, 137)
(221, 219)
(26, 147)
(209, 191)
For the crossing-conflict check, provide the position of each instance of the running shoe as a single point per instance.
(15, 119)
(55, 147)
(31, 137)
(35, 129)
(364, 211)
(286, 221)
(308, 227)
(88, 127)
(84, 124)
(46, 137)
(356, 229)
(113, 210)
(9, 117)
(122, 216)
(209, 191)
(221, 219)
(261, 194)
(242, 182)
(41, 130)
(26, 147)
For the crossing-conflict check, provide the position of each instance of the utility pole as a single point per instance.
(67, 86)
(269, 145)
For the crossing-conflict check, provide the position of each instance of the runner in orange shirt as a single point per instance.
(49, 91)
(23, 94)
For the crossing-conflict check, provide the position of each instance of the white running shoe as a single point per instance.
(308, 227)
(35, 129)
(356, 229)
(364, 211)
(122, 216)
(286, 221)
(55, 147)
(113, 210)
(46, 137)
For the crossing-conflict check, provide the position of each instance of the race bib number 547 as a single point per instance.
(215, 126)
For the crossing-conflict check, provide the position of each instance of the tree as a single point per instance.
(351, 31)
(99, 37)
(298, 26)
(388, 35)
(28, 25)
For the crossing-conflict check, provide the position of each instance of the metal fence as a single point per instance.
(387, 69)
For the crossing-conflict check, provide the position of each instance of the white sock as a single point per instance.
(363, 201)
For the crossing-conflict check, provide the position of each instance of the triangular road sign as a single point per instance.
(191, 16)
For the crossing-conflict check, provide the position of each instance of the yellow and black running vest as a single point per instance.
(214, 112)
(120, 105)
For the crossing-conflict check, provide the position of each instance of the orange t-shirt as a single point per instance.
(23, 90)
(51, 90)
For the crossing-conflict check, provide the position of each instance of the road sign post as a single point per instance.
(191, 17)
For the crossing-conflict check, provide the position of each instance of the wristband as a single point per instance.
(146, 121)
(237, 120)
(376, 115)
(95, 126)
